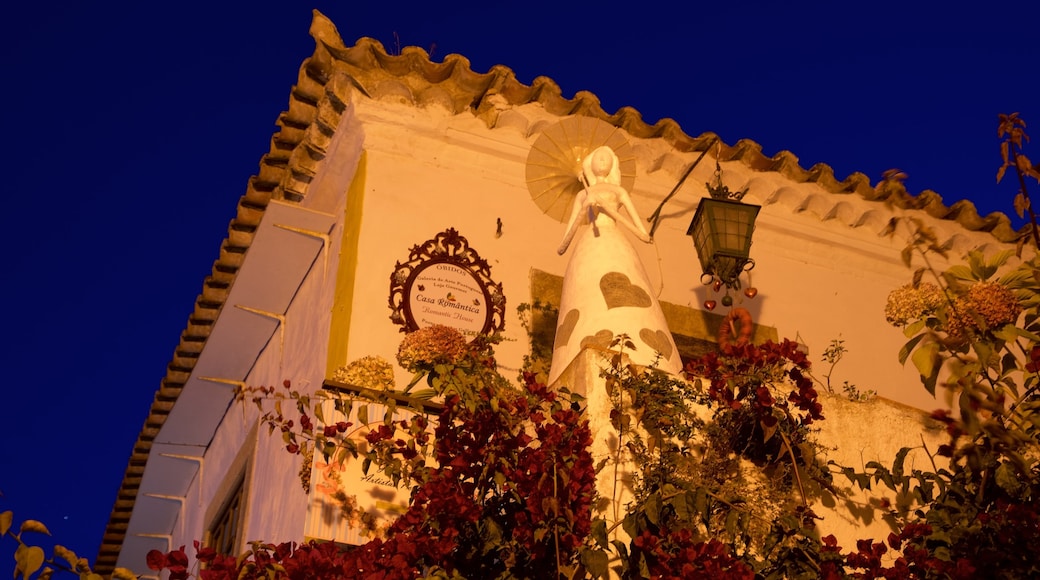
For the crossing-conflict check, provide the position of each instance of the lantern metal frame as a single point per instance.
(722, 230)
(723, 255)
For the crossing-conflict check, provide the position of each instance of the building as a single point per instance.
(378, 154)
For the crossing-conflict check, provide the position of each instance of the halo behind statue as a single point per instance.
(554, 163)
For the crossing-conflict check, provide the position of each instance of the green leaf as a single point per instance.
(1000, 258)
(926, 359)
(700, 503)
(362, 414)
(897, 465)
(652, 509)
(768, 430)
(621, 548)
(67, 555)
(424, 394)
(631, 525)
(491, 533)
(415, 380)
(960, 272)
(904, 352)
(983, 349)
(35, 526)
(1026, 334)
(343, 406)
(1008, 363)
(599, 532)
(1007, 333)
(976, 264)
(5, 521)
(914, 327)
(28, 559)
(684, 507)
(1008, 480)
(596, 562)
(732, 521)
(1015, 279)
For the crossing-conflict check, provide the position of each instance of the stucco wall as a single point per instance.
(823, 272)
(297, 351)
(823, 269)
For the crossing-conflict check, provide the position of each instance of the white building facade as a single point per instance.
(379, 153)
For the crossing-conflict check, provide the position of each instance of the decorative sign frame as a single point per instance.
(445, 281)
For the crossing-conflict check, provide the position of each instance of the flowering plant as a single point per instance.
(765, 395)
(422, 350)
(372, 372)
(503, 486)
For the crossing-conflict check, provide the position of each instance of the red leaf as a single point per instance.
(206, 554)
(156, 560)
(177, 558)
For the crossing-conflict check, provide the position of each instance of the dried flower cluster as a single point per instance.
(425, 348)
(373, 372)
(987, 306)
(909, 303)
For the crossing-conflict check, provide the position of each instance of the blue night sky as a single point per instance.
(132, 129)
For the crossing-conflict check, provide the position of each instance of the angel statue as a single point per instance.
(602, 196)
(606, 292)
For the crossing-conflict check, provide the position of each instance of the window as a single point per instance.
(224, 531)
(226, 516)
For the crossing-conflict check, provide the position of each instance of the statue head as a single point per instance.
(602, 166)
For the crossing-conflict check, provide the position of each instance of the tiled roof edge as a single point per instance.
(316, 104)
(369, 64)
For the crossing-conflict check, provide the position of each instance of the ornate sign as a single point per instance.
(446, 282)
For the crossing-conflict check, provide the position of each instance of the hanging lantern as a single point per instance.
(721, 230)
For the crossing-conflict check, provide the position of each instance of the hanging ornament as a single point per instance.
(716, 285)
(751, 292)
(727, 300)
(709, 304)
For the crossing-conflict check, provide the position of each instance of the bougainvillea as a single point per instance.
(675, 554)
(507, 488)
(768, 382)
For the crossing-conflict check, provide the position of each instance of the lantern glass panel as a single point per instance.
(722, 228)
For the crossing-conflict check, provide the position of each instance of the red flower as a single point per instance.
(1034, 359)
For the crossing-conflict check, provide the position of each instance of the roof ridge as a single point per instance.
(368, 57)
